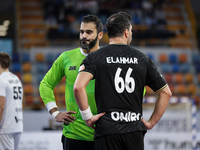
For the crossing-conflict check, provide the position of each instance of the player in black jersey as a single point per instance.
(120, 74)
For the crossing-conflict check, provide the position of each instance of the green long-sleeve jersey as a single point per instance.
(67, 64)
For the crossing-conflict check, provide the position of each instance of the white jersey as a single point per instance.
(11, 88)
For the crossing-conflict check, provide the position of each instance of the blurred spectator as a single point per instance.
(147, 6)
(69, 5)
(150, 20)
(51, 20)
(136, 19)
(61, 15)
(82, 7)
(136, 4)
(160, 16)
(68, 13)
(93, 6)
(49, 12)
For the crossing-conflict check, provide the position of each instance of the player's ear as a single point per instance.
(126, 33)
(100, 35)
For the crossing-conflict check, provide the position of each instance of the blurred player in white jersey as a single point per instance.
(11, 94)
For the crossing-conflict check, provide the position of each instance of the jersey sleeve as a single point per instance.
(50, 80)
(154, 78)
(2, 88)
(87, 65)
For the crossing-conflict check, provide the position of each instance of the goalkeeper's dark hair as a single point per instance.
(93, 18)
(4, 60)
(117, 23)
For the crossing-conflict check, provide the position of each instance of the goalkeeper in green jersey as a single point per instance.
(76, 134)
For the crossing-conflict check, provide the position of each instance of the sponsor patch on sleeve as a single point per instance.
(82, 67)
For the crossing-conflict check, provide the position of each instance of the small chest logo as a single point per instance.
(72, 67)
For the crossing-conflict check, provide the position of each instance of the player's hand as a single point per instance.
(147, 124)
(92, 121)
(65, 117)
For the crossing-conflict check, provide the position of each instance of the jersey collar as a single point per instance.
(85, 54)
(5, 72)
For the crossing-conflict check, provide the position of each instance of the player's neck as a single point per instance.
(118, 40)
(3, 70)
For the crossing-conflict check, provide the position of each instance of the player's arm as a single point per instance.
(81, 82)
(80, 94)
(158, 84)
(160, 107)
(47, 85)
(2, 105)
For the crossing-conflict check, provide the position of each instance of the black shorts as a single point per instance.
(71, 144)
(128, 141)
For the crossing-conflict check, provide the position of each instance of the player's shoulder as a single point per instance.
(66, 54)
(9, 75)
(138, 52)
(2, 83)
(14, 76)
(3, 79)
(75, 50)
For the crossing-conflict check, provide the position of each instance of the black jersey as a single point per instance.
(120, 74)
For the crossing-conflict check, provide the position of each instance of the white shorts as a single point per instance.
(9, 141)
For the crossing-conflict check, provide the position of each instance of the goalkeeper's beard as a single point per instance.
(89, 46)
